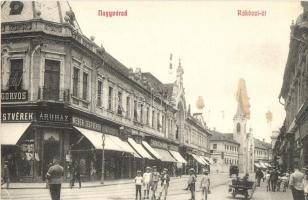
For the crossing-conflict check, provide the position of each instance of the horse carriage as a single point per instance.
(242, 187)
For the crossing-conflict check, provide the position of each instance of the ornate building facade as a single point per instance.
(65, 97)
(292, 143)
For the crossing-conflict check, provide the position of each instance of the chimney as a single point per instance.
(263, 140)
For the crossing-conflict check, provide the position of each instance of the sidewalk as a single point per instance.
(218, 179)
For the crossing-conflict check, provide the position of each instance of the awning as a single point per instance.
(178, 156)
(262, 165)
(209, 160)
(165, 155)
(198, 159)
(257, 165)
(139, 149)
(151, 150)
(11, 132)
(205, 160)
(111, 142)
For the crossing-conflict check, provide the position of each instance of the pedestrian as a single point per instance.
(54, 176)
(5, 175)
(274, 179)
(75, 174)
(259, 176)
(138, 183)
(154, 182)
(48, 166)
(147, 178)
(267, 180)
(165, 179)
(192, 179)
(284, 182)
(297, 184)
(205, 185)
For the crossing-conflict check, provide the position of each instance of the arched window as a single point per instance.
(238, 128)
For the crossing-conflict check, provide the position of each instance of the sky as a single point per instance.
(216, 46)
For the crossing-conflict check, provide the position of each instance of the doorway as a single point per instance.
(51, 151)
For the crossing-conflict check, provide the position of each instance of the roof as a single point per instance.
(53, 11)
(261, 145)
(224, 137)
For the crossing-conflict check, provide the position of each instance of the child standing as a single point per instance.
(154, 182)
(138, 183)
(205, 184)
(147, 178)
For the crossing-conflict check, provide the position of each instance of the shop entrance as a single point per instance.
(51, 151)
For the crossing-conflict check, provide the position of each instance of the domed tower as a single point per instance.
(240, 133)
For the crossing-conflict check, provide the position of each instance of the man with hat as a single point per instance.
(297, 184)
(165, 179)
(205, 184)
(154, 182)
(54, 177)
(147, 178)
(192, 183)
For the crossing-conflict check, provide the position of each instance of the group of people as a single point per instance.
(204, 184)
(149, 180)
(278, 180)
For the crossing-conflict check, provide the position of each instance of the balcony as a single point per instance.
(51, 95)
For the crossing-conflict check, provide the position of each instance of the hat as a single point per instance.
(148, 167)
(138, 171)
(192, 169)
(154, 167)
(165, 169)
(206, 171)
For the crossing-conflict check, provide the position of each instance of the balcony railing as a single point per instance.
(48, 94)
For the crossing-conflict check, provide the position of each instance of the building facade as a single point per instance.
(224, 151)
(292, 146)
(262, 154)
(65, 97)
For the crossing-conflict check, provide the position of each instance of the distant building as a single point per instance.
(291, 146)
(224, 151)
(262, 154)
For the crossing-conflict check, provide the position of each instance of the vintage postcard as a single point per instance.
(157, 100)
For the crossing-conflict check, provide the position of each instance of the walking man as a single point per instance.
(192, 183)
(154, 182)
(297, 184)
(75, 174)
(165, 179)
(274, 179)
(259, 176)
(54, 177)
(205, 185)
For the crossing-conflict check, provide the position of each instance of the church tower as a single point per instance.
(240, 134)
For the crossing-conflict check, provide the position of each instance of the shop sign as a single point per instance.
(84, 123)
(17, 116)
(53, 117)
(173, 147)
(14, 96)
(158, 144)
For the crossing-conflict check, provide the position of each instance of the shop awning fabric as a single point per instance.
(204, 160)
(257, 165)
(178, 157)
(151, 150)
(198, 159)
(111, 142)
(165, 155)
(11, 132)
(140, 150)
(262, 165)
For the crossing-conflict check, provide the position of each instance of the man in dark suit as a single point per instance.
(54, 177)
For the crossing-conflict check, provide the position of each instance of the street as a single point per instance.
(127, 191)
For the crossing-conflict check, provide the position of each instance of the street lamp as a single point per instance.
(103, 159)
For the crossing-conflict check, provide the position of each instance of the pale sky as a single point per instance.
(216, 46)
